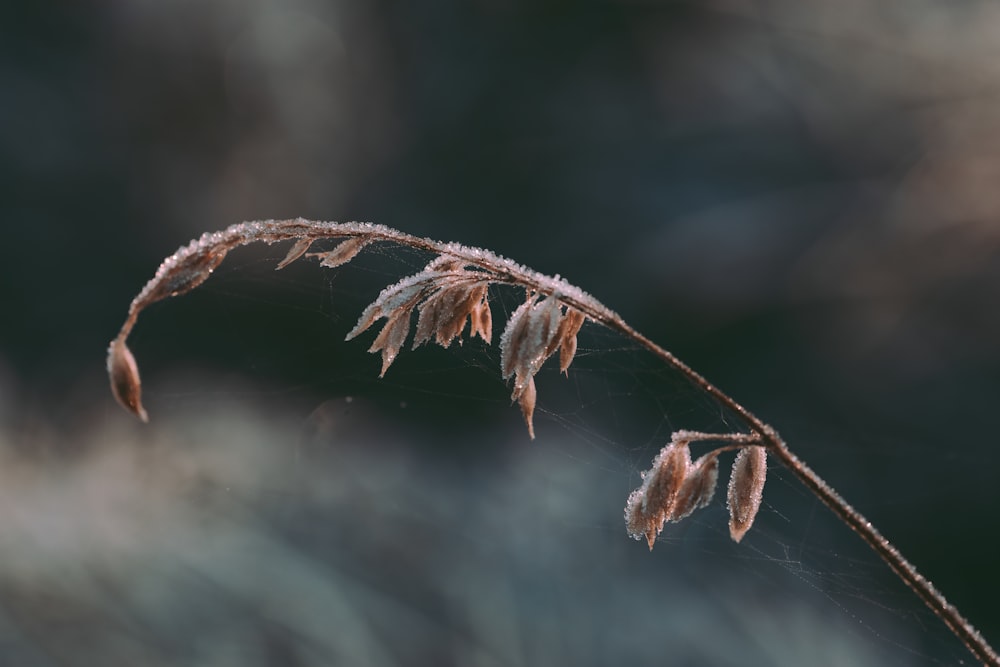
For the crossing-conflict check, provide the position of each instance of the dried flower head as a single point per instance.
(452, 289)
(675, 487)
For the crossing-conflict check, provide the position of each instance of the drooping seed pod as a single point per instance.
(746, 485)
(653, 503)
(124, 375)
(527, 403)
(341, 254)
(698, 487)
(297, 250)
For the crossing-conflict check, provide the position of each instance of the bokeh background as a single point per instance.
(798, 198)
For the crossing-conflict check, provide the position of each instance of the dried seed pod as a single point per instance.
(669, 474)
(542, 323)
(341, 254)
(746, 484)
(460, 301)
(297, 250)
(443, 313)
(650, 505)
(445, 264)
(403, 294)
(698, 487)
(481, 319)
(527, 403)
(392, 337)
(181, 273)
(637, 522)
(556, 338)
(543, 330)
(124, 375)
(513, 338)
(428, 318)
(568, 329)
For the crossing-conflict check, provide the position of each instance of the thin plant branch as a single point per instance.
(452, 290)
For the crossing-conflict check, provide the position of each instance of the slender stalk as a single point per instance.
(926, 590)
(193, 264)
(905, 570)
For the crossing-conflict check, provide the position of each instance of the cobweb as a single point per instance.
(286, 507)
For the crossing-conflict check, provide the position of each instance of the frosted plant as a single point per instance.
(674, 487)
(452, 290)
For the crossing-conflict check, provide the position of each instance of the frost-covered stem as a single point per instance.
(193, 264)
(905, 570)
(931, 596)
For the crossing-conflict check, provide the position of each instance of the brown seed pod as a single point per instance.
(342, 253)
(527, 402)
(124, 375)
(698, 487)
(652, 504)
(297, 250)
(746, 485)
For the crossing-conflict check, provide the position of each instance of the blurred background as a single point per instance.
(797, 198)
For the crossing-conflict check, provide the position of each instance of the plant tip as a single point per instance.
(124, 375)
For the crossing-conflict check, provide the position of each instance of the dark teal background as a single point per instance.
(795, 199)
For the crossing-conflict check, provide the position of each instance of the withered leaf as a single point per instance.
(746, 485)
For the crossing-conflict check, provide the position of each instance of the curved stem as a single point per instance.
(191, 265)
(905, 570)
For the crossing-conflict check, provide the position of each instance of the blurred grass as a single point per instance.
(232, 535)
